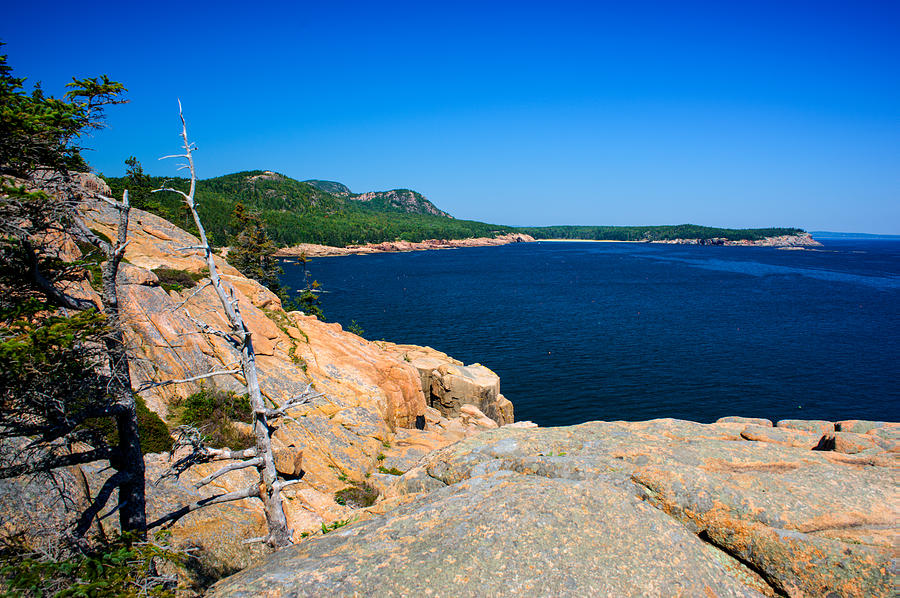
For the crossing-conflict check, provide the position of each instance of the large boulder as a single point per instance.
(448, 384)
(453, 386)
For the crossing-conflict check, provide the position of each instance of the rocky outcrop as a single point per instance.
(449, 386)
(660, 508)
(312, 250)
(400, 200)
(454, 387)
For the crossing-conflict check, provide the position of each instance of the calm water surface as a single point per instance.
(586, 331)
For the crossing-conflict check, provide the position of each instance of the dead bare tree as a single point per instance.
(261, 457)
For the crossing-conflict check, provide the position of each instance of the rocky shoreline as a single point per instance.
(313, 250)
(804, 240)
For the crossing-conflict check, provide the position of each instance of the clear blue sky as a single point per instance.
(733, 114)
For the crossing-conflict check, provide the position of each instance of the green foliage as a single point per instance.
(155, 436)
(389, 470)
(40, 131)
(332, 187)
(48, 384)
(355, 328)
(140, 191)
(214, 413)
(251, 249)
(357, 496)
(309, 303)
(653, 233)
(178, 280)
(91, 258)
(122, 567)
(335, 525)
(323, 212)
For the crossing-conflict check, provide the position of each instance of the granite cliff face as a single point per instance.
(373, 396)
(395, 200)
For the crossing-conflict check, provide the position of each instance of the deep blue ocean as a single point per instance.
(609, 331)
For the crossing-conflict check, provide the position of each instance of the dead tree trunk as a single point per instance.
(127, 459)
(239, 336)
(132, 511)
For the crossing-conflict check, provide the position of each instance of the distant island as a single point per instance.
(327, 213)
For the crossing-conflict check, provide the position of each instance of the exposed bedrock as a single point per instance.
(658, 508)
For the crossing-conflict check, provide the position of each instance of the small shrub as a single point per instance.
(380, 457)
(355, 328)
(334, 525)
(120, 567)
(389, 471)
(91, 258)
(178, 280)
(155, 437)
(357, 496)
(214, 412)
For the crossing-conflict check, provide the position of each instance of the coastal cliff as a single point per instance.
(373, 397)
(468, 502)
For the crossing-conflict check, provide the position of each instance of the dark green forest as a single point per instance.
(306, 212)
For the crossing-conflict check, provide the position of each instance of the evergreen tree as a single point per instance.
(140, 191)
(62, 362)
(252, 250)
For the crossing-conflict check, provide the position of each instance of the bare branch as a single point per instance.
(228, 468)
(239, 336)
(54, 462)
(174, 516)
(148, 385)
(222, 454)
(282, 484)
(206, 328)
(192, 295)
(181, 193)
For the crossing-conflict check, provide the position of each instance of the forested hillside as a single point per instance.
(298, 212)
(328, 213)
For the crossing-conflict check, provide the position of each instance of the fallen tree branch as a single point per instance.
(148, 385)
(228, 468)
(174, 516)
